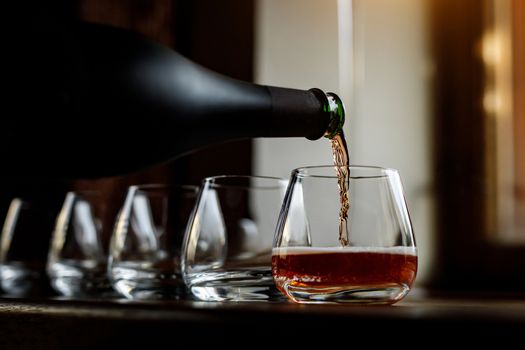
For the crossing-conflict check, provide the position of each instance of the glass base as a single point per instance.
(139, 283)
(73, 279)
(18, 280)
(375, 294)
(235, 285)
(232, 293)
(82, 287)
(143, 289)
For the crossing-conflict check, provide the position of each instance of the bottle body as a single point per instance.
(100, 101)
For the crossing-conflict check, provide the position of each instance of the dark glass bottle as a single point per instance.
(88, 100)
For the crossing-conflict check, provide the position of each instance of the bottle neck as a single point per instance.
(334, 107)
(308, 113)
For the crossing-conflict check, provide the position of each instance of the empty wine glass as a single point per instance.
(77, 262)
(309, 263)
(228, 246)
(24, 245)
(145, 247)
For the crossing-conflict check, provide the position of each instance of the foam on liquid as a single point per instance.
(401, 250)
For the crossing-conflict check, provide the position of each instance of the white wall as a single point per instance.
(296, 46)
(301, 43)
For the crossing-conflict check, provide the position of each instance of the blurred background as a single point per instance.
(433, 88)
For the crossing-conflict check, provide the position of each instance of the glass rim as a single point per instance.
(153, 187)
(211, 181)
(303, 172)
(88, 192)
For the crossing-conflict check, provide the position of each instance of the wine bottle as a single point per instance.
(88, 100)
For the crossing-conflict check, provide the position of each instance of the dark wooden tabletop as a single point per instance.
(62, 324)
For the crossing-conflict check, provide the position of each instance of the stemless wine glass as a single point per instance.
(228, 246)
(77, 262)
(379, 263)
(24, 246)
(145, 246)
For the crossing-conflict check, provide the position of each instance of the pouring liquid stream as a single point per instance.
(340, 156)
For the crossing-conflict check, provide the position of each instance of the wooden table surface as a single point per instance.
(94, 324)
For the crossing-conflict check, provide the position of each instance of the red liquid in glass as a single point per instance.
(343, 267)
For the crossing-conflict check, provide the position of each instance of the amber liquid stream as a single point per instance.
(340, 155)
